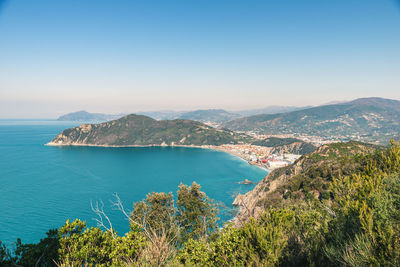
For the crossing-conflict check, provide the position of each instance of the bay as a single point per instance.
(42, 186)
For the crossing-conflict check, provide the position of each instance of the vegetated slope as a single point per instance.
(369, 119)
(286, 145)
(308, 177)
(161, 114)
(140, 130)
(84, 116)
(210, 115)
(269, 110)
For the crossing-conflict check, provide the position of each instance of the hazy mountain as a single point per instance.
(206, 115)
(269, 110)
(370, 119)
(161, 114)
(141, 130)
(210, 115)
(84, 116)
(215, 115)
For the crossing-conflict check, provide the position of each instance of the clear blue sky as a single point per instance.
(124, 56)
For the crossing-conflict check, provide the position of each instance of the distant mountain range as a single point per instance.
(367, 119)
(216, 116)
(161, 114)
(269, 110)
(84, 116)
(210, 115)
(364, 119)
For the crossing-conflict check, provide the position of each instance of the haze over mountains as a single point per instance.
(210, 115)
(270, 110)
(371, 119)
(84, 116)
(367, 119)
(203, 115)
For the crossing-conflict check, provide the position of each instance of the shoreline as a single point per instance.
(211, 147)
(221, 149)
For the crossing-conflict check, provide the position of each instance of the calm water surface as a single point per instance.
(41, 186)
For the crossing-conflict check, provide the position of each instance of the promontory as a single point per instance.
(139, 130)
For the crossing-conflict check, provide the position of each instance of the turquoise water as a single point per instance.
(43, 186)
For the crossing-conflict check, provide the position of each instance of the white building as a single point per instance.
(277, 164)
(291, 157)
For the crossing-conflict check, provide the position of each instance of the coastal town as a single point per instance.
(259, 155)
(263, 156)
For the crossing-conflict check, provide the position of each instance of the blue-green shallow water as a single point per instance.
(43, 186)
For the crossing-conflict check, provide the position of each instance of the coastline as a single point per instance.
(211, 147)
(222, 149)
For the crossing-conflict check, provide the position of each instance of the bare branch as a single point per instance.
(100, 213)
(37, 262)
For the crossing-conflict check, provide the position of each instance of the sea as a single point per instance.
(43, 186)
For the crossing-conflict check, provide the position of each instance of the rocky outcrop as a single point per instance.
(251, 203)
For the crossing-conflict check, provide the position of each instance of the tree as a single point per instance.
(196, 213)
(155, 214)
(45, 253)
(5, 258)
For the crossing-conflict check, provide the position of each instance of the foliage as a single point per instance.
(196, 213)
(92, 246)
(357, 225)
(155, 216)
(280, 237)
(4, 255)
(318, 169)
(42, 253)
(155, 213)
(366, 228)
(256, 243)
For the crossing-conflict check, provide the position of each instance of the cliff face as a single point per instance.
(252, 203)
(308, 176)
(139, 130)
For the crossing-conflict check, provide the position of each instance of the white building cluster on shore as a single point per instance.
(259, 155)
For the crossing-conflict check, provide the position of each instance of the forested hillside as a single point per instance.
(367, 119)
(140, 130)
